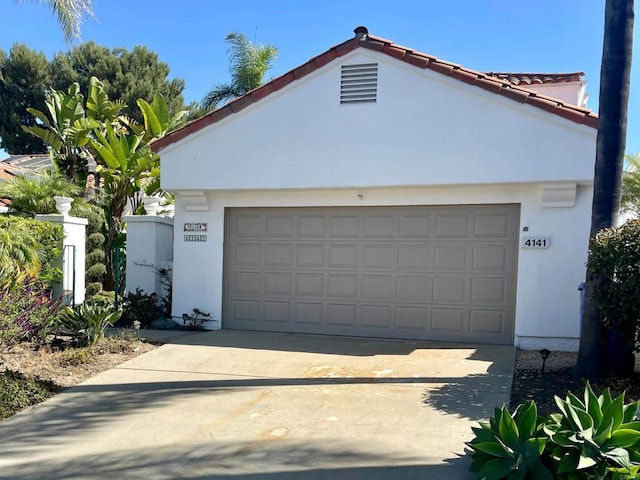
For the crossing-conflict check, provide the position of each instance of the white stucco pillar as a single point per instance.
(72, 260)
(149, 248)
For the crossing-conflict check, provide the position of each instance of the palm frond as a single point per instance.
(70, 14)
(221, 93)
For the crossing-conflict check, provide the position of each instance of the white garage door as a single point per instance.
(439, 273)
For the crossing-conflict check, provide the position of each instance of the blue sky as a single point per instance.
(486, 35)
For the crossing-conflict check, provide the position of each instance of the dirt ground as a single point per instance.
(67, 366)
(530, 383)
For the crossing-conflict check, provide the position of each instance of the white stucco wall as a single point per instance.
(429, 140)
(74, 236)
(570, 92)
(425, 129)
(149, 247)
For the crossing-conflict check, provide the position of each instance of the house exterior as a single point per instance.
(379, 191)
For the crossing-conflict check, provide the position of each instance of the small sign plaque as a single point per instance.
(195, 238)
(536, 242)
(195, 227)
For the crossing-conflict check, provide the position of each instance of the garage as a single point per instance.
(378, 191)
(416, 272)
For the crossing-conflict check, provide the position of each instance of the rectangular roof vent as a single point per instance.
(359, 83)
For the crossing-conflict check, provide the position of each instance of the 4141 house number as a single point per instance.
(536, 242)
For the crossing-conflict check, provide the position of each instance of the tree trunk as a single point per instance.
(615, 75)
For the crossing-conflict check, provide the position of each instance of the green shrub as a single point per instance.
(510, 446)
(614, 255)
(595, 437)
(95, 258)
(141, 306)
(88, 323)
(73, 357)
(18, 392)
(28, 250)
(102, 299)
(27, 312)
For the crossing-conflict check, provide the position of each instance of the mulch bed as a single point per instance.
(532, 384)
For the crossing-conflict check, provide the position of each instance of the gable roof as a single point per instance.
(487, 81)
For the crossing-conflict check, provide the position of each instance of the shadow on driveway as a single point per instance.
(284, 460)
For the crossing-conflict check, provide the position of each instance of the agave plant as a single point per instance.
(510, 446)
(88, 322)
(596, 437)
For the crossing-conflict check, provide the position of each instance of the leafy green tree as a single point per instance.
(248, 64)
(24, 76)
(119, 146)
(70, 14)
(64, 128)
(128, 165)
(615, 76)
(631, 186)
(126, 75)
(33, 193)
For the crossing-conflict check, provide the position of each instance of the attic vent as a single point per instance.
(359, 83)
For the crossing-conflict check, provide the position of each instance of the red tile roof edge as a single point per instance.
(535, 78)
(418, 59)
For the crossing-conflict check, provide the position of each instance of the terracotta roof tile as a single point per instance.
(537, 78)
(506, 84)
(489, 84)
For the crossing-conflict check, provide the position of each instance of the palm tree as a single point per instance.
(610, 144)
(631, 186)
(248, 65)
(19, 254)
(70, 14)
(33, 193)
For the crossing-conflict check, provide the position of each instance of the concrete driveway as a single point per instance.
(266, 406)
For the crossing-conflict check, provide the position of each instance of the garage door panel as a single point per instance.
(278, 255)
(279, 226)
(344, 256)
(307, 313)
(449, 289)
(276, 312)
(490, 226)
(246, 310)
(380, 226)
(376, 316)
(247, 254)
(487, 321)
(448, 319)
(490, 257)
(247, 283)
(441, 273)
(276, 283)
(342, 285)
(450, 257)
(379, 256)
(344, 226)
(247, 226)
(341, 315)
(452, 226)
(412, 318)
(310, 255)
(414, 288)
(488, 290)
(415, 227)
(377, 286)
(309, 284)
(312, 226)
